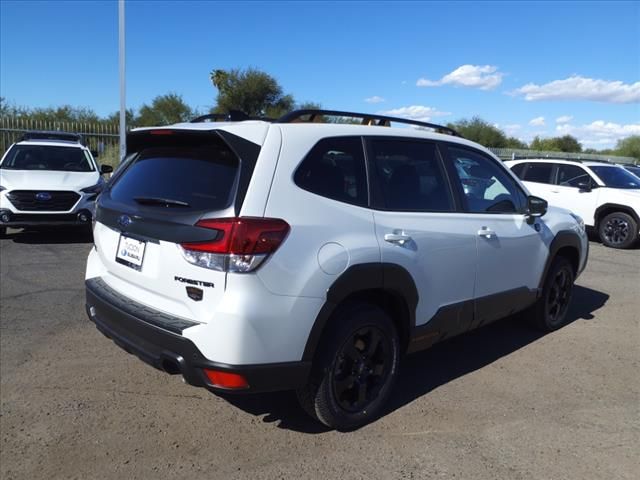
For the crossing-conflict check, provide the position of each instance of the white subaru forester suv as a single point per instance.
(48, 179)
(253, 256)
(605, 195)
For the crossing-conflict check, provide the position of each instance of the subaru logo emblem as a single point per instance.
(124, 221)
(43, 196)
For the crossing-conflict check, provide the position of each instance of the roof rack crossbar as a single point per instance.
(232, 116)
(367, 119)
(52, 135)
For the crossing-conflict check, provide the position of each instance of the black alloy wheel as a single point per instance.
(354, 369)
(618, 230)
(361, 369)
(559, 295)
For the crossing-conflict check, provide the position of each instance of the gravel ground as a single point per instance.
(501, 402)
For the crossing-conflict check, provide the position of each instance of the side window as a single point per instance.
(334, 168)
(411, 176)
(519, 169)
(487, 187)
(572, 175)
(539, 173)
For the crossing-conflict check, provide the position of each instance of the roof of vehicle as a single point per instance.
(587, 163)
(255, 130)
(52, 143)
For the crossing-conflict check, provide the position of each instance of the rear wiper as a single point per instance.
(161, 201)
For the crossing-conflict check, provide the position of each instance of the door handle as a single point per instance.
(555, 191)
(486, 232)
(397, 238)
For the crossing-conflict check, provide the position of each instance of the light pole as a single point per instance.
(123, 107)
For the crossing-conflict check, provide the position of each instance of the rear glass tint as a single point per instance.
(202, 177)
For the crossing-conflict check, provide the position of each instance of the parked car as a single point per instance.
(605, 195)
(48, 179)
(635, 169)
(253, 256)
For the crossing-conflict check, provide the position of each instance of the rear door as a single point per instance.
(538, 177)
(420, 228)
(151, 206)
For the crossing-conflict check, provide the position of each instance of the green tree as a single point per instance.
(566, 143)
(513, 142)
(480, 131)
(115, 117)
(164, 110)
(251, 91)
(629, 147)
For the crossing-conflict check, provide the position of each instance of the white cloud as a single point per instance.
(415, 112)
(564, 119)
(512, 128)
(374, 99)
(484, 77)
(581, 88)
(599, 133)
(537, 122)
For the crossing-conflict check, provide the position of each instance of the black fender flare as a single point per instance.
(359, 278)
(564, 238)
(614, 206)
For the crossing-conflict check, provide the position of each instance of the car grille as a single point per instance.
(42, 201)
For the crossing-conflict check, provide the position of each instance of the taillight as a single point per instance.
(240, 246)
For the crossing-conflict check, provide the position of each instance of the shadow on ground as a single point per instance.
(425, 371)
(52, 235)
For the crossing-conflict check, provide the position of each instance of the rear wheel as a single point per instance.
(355, 369)
(550, 311)
(618, 230)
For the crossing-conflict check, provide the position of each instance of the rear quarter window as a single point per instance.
(334, 168)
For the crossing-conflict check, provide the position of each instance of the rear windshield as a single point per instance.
(45, 157)
(200, 178)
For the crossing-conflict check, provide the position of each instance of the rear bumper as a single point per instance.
(130, 328)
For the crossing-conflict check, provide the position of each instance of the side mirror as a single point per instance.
(585, 186)
(94, 153)
(536, 207)
(105, 169)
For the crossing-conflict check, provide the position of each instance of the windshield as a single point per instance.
(616, 177)
(46, 157)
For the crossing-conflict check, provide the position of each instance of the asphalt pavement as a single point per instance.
(503, 402)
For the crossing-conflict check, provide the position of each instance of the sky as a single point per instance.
(531, 68)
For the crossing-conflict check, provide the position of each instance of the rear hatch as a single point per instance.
(171, 180)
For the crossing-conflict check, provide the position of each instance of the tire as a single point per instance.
(3, 232)
(355, 369)
(549, 313)
(618, 230)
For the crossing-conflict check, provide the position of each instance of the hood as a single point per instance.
(46, 179)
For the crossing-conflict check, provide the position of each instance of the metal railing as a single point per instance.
(101, 137)
(515, 154)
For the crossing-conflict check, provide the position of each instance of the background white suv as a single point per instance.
(46, 179)
(250, 256)
(605, 195)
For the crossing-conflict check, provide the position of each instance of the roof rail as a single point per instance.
(232, 116)
(53, 135)
(367, 119)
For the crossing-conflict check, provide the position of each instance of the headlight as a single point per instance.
(579, 221)
(97, 188)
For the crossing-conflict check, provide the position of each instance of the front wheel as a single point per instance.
(618, 230)
(355, 369)
(549, 313)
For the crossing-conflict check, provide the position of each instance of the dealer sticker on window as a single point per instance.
(130, 252)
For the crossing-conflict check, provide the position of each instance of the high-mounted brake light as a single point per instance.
(161, 132)
(241, 244)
